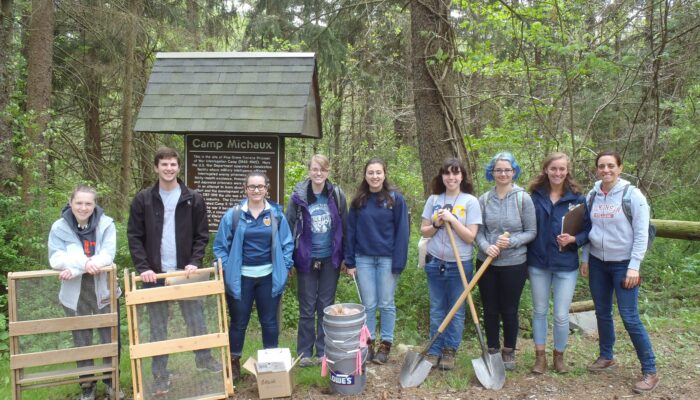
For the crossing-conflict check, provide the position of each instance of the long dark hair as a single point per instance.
(437, 186)
(362, 193)
(542, 181)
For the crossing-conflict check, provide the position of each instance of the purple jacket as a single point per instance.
(299, 220)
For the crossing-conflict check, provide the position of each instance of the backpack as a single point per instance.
(626, 209)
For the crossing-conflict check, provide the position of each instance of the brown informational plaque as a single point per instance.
(572, 222)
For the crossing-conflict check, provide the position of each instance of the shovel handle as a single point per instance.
(462, 274)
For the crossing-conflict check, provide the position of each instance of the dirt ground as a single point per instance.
(678, 363)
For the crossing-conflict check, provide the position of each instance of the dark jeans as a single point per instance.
(192, 312)
(500, 288)
(604, 279)
(87, 305)
(260, 291)
(315, 291)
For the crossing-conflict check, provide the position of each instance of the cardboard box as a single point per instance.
(273, 372)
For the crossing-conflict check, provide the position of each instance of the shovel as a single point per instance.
(489, 368)
(415, 367)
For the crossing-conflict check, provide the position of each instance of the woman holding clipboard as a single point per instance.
(552, 258)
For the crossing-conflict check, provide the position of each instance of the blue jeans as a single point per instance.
(260, 291)
(377, 285)
(605, 278)
(562, 284)
(445, 286)
(315, 291)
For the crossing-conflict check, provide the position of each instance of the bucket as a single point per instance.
(342, 367)
(342, 332)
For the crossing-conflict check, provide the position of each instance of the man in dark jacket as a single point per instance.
(168, 231)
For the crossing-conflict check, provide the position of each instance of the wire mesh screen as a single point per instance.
(180, 345)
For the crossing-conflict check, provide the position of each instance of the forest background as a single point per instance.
(411, 81)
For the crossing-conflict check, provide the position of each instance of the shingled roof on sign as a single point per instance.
(261, 93)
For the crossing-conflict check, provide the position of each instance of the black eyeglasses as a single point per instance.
(502, 171)
(252, 188)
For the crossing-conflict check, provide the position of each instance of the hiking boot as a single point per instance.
(559, 363)
(508, 356)
(209, 365)
(306, 362)
(370, 350)
(447, 360)
(87, 391)
(114, 396)
(433, 359)
(236, 368)
(161, 386)
(493, 350)
(647, 384)
(382, 356)
(540, 362)
(602, 364)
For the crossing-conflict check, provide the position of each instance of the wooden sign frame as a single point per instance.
(219, 340)
(19, 361)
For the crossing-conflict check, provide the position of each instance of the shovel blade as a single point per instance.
(493, 375)
(414, 370)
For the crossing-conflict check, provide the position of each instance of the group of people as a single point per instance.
(320, 236)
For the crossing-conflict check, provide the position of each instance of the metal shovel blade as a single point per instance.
(414, 370)
(493, 375)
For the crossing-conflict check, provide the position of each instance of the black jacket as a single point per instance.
(145, 228)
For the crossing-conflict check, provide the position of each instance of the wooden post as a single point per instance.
(686, 230)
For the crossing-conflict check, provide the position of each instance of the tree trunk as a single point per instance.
(39, 74)
(8, 172)
(127, 108)
(437, 125)
(93, 128)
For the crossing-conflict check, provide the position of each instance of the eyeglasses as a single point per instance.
(502, 171)
(252, 188)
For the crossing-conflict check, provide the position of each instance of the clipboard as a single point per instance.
(572, 222)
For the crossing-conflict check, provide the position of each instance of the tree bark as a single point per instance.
(437, 125)
(39, 74)
(8, 172)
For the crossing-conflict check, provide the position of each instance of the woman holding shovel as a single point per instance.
(618, 243)
(376, 249)
(506, 208)
(451, 203)
(552, 258)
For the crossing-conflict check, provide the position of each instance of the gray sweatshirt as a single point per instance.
(505, 216)
(612, 237)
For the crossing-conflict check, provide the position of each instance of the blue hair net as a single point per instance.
(502, 156)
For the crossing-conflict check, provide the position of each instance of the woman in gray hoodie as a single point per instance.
(505, 208)
(81, 242)
(612, 259)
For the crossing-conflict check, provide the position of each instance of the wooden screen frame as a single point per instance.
(137, 350)
(19, 361)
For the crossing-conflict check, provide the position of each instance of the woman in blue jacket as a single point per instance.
(552, 258)
(316, 212)
(255, 246)
(377, 246)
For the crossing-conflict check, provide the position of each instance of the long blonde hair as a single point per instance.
(542, 180)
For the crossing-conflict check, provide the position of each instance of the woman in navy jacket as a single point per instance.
(552, 258)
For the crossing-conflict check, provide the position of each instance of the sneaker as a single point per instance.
(433, 359)
(111, 394)
(602, 364)
(209, 365)
(647, 384)
(447, 360)
(306, 362)
(508, 356)
(87, 391)
(382, 355)
(161, 386)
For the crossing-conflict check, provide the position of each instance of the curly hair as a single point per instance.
(437, 186)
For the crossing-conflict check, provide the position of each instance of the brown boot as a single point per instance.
(382, 356)
(370, 350)
(559, 363)
(647, 384)
(540, 362)
(236, 368)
